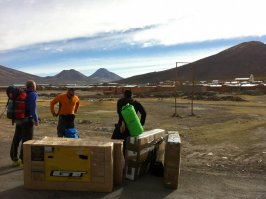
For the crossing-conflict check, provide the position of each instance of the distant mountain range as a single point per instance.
(10, 76)
(102, 75)
(238, 61)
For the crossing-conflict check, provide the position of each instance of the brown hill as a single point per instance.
(103, 75)
(10, 76)
(238, 61)
(71, 75)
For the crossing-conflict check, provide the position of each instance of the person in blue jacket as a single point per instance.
(24, 129)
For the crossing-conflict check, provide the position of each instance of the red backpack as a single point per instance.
(16, 104)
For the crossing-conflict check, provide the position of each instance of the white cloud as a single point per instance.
(209, 20)
(27, 22)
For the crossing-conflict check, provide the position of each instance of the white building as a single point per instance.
(245, 79)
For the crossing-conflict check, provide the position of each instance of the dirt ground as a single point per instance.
(223, 147)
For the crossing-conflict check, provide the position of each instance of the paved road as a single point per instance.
(192, 185)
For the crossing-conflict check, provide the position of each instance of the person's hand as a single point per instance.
(36, 123)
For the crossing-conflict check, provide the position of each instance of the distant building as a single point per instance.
(167, 82)
(242, 79)
(203, 82)
(215, 81)
(251, 78)
(19, 85)
(245, 79)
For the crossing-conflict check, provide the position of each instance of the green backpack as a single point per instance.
(132, 120)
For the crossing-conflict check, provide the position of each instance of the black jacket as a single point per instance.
(137, 106)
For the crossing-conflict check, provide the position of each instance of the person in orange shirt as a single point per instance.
(68, 107)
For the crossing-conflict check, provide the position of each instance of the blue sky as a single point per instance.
(126, 37)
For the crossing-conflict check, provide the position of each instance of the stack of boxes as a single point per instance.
(97, 164)
(140, 152)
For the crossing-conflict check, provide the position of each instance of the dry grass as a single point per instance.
(225, 128)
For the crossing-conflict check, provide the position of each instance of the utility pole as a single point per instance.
(192, 93)
(175, 94)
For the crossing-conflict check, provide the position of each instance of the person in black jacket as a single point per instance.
(138, 108)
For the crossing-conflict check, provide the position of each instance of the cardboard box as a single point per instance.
(146, 139)
(68, 164)
(141, 152)
(134, 170)
(160, 151)
(172, 159)
(118, 157)
(141, 155)
(171, 177)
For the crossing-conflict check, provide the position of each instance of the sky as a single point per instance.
(127, 37)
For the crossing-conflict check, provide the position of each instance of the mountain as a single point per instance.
(238, 61)
(10, 76)
(71, 75)
(103, 75)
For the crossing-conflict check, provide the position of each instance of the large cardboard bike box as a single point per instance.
(68, 164)
(118, 157)
(140, 152)
(172, 159)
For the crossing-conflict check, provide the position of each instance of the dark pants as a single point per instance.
(64, 122)
(23, 133)
(126, 135)
(117, 134)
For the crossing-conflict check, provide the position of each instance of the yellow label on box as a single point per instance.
(67, 163)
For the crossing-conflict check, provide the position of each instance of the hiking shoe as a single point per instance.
(16, 163)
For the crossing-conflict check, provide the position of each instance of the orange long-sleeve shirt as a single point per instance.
(66, 105)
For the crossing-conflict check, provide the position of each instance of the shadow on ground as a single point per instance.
(148, 186)
(192, 185)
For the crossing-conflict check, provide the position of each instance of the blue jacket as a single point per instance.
(31, 107)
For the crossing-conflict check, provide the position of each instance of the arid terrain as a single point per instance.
(223, 146)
